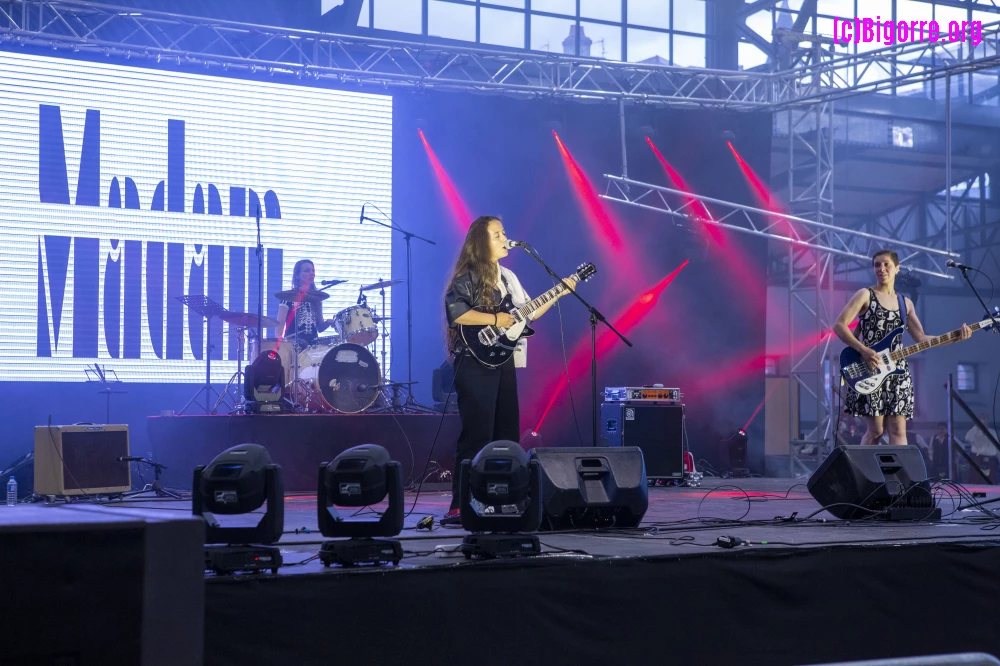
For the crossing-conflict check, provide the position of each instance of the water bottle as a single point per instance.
(12, 492)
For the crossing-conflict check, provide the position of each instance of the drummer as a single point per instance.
(303, 317)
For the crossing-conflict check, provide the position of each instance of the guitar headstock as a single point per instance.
(585, 271)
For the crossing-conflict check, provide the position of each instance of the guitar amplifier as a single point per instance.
(657, 429)
(81, 460)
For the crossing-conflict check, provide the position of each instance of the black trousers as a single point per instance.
(487, 405)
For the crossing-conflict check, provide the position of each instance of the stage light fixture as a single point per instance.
(264, 379)
(360, 476)
(500, 476)
(736, 448)
(238, 481)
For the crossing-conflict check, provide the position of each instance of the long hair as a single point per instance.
(297, 274)
(296, 284)
(476, 257)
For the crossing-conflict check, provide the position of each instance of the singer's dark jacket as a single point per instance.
(463, 295)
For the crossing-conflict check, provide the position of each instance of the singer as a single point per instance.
(487, 397)
(879, 310)
(302, 318)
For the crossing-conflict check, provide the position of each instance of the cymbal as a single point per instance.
(247, 319)
(294, 295)
(381, 285)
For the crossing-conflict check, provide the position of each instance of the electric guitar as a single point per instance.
(494, 345)
(865, 379)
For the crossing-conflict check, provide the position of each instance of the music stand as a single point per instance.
(107, 378)
(208, 309)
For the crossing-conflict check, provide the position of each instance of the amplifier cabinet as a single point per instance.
(81, 460)
(657, 429)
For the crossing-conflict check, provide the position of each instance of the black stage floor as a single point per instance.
(809, 590)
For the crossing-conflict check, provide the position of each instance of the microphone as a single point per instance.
(258, 213)
(361, 220)
(326, 282)
(130, 459)
(954, 264)
(361, 387)
(513, 243)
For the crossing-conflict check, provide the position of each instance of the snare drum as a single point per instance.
(355, 324)
(347, 380)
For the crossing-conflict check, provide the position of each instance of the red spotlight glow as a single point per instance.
(695, 205)
(765, 197)
(625, 321)
(460, 213)
(596, 214)
(734, 261)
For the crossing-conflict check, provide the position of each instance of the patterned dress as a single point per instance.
(895, 396)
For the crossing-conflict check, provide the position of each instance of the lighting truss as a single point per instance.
(185, 40)
(884, 70)
(798, 232)
(95, 28)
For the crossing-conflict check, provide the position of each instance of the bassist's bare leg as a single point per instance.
(896, 426)
(875, 428)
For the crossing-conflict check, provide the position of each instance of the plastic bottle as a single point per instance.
(12, 492)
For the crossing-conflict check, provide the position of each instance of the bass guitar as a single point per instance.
(494, 345)
(864, 379)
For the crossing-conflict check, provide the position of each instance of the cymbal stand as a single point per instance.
(385, 335)
(240, 376)
(208, 309)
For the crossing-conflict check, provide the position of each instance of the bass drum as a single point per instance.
(347, 380)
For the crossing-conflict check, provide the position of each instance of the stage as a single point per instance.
(810, 589)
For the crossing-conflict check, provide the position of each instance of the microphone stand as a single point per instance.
(409, 288)
(595, 316)
(965, 274)
(260, 288)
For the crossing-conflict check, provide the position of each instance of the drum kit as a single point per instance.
(333, 373)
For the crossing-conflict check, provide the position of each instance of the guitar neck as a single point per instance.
(529, 307)
(938, 341)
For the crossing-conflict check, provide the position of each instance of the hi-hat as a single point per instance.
(293, 295)
(247, 320)
(381, 284)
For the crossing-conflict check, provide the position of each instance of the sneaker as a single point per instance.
(453, 517)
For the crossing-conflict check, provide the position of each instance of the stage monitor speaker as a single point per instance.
(91, 585)
(657, 429)
(858, 481)
(592, 487)
(81, 460)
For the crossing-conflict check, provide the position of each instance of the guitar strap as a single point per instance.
(902, 309)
